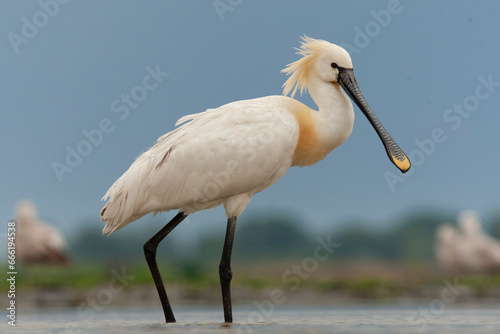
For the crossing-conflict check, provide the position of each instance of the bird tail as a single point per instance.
(123, 206)
(112, 224)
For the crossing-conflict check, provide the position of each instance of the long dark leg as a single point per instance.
(225, 272)
(150, 251)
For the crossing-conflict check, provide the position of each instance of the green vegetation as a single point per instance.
(80, 277)
(274, 236)
(192, 277)
(265, 247)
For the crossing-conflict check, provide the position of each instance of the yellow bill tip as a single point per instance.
(402, 163)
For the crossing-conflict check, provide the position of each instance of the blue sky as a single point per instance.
(417, 63)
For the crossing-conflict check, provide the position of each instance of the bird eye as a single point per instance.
(334, 65)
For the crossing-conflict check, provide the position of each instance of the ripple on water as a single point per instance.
(195, 320)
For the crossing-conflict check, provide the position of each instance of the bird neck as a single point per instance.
(335, 118)
(321, 131)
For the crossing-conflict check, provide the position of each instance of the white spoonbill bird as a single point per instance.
(468, 249)
(476, 251)
(228, 154)
(445, 248)
(38, 242)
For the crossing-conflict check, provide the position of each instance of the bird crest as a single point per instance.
(300, 70)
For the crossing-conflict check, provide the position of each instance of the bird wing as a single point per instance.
(241, 147)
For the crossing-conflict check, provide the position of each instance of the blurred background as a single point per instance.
(76, 113)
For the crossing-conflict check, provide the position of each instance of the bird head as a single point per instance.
(332, 64)
(319, 58)
(26, 211)
(469, 222)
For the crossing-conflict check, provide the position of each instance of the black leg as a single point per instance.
(225, 272)
(150, 251)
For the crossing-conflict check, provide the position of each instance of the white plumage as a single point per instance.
(445, 247)
(191, 168)
(228, 154)
(38, 242)
(221, 156)
(467, 249)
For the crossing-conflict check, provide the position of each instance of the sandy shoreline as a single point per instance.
(146, 296)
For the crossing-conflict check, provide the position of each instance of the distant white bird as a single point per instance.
(469, 249)
(481, 252)
(36, 241)
(226, 155)
(447, 238)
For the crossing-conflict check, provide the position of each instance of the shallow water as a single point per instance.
(304, 319)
